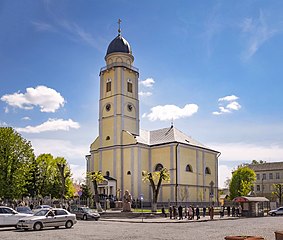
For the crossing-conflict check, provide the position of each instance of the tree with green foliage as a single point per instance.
(95, 178)
(16, 157)
(155, 179)
(242, 182)
(278, 191)
(50, 179)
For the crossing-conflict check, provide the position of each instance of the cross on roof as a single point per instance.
(119, 23)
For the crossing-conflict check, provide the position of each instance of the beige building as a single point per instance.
(122, 150)
(267, 174)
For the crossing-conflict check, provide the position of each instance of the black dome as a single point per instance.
(119, 44)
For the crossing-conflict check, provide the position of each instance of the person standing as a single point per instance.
(197, 212)
(228, 210)
(240, 210)
(233, 211)
(190, 213)
(211, 213)
(170, 212)
(204, 211)
(180, 211)
(193, 212)
(186, 211)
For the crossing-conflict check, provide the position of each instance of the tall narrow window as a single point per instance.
(207, 170)
(130, 86)
(108, 85)
(158, 167)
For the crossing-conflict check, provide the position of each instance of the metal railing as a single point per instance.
(109, 66)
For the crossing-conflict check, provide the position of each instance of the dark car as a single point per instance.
(24, 210)
(85, 213)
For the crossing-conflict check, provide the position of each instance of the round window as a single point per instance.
(108, 107)
(130, 107)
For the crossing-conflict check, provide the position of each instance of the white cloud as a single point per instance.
(51, 125)
(78, 172)
(224, 172)
(232, 105)
(3, 124)
(26, 118)
(145, 94)
(46, 98)
(6, 109)
(169, 112)
(41, 26)
(228, 98)
(147, 82)
(257, 32)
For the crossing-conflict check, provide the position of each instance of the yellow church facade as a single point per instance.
(123, 150)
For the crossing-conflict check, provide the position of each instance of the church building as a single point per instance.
(123, 150)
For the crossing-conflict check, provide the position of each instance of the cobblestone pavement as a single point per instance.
(154, 229)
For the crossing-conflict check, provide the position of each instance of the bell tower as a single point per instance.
(118, 103)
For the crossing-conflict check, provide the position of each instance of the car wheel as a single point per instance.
(84, 217)
(69, 224)
(96, 219)
(273, 214)
(37, 226)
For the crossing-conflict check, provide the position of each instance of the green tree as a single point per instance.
(241, 182)
(155, 179)
(50, 180)
(95, 178)
(278, 191)
(16, 157)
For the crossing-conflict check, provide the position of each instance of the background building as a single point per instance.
(267, 174)
(122, 150)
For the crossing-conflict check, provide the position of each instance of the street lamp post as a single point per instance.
(141, 199)
(61, 167)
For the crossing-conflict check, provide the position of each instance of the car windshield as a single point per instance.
(41, 212)
(87, 209)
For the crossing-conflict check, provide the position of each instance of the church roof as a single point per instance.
(119, 44)
(167, 135)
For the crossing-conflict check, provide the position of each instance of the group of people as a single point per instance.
(234, 211)
(188, 212)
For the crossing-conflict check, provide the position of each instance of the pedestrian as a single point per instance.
(163, 212)
(174, 212)
(211, 213)
(186, 211)
(240, 210)
(193, 212)
(197, 212)
(228, 211)
(233, 211)
(170, 212)
(222, 208)
(190, 213)
(204, 211)
(237, 211)
(180, 211)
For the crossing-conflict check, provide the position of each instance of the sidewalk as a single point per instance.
(165, 220)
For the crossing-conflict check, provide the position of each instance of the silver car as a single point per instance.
(9, 217)
(278, 211)
(54, 217)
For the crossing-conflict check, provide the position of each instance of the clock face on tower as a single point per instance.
(108, 107)
(130, 107)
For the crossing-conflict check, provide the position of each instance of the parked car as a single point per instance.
(24, 210)
(54, 217)
(85, 213)
(9, 217)
(275, 212)
(40, 207)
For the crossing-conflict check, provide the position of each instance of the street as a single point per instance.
(183, 229)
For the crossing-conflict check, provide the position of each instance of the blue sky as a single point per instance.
(215, 67)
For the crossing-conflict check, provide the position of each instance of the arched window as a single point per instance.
(107, 138)
(129, 173)
(108, 85)
(158, 167)
(107, 173)
(207, 170)
(189, 168)
(130, 86)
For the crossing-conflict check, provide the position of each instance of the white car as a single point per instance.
(275, 212)
(54, 217)
(9, 217)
